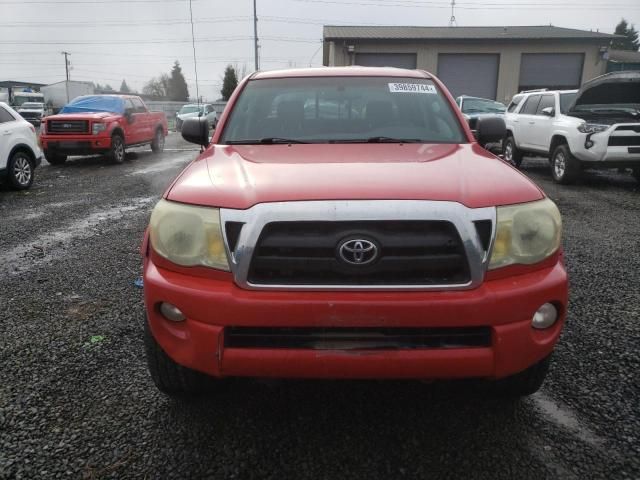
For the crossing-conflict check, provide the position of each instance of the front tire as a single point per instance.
(565, 168)
(157, 145)
(55, 159)
(20, 171)
(117, 151)
(511, 153)
(524, 383)
(171, 378)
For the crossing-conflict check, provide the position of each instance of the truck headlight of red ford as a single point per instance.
(188, 235)
(526, 233)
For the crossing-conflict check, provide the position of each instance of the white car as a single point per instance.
(19, 150)
(195, 110)
(32, 112)
(595, 127)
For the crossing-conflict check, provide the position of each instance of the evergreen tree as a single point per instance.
(630, 42)
(124, 88)
(178, 90)
(229, 82)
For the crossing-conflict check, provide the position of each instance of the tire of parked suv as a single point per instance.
(55, 159)
(171, 378)
(157, 145)
(565, 168)
(511, 153)
(117, 151)
(20, 170)
(524, 383)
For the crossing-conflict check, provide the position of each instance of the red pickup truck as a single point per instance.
(345, 223)
(102, 124)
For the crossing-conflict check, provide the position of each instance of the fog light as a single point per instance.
(171, 312)
(588, 144)
(546, 316)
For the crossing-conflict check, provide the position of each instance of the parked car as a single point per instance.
(195, 110)
(595, 127)
(385, 243)
(20, 154)
(474, 108)
(32, 112)
(102, 124)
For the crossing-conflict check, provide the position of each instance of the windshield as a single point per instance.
(342, 109)
(32, 105)
(20, 100)
(190, 109)
(481, 105)
(566, 99)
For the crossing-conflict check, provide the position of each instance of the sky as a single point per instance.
(112, 40)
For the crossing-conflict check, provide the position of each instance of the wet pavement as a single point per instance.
(76, 400)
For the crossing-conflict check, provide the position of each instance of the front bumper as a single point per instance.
(602, 153)
(75, 144)
(505, 305)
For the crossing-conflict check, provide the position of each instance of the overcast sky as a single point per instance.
(137, 39)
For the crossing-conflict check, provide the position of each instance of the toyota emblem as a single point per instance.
(358, 251)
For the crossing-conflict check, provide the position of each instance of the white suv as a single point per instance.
(595, 127)
(19, 150)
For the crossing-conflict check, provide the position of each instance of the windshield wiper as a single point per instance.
(393, 140)
(265, 141)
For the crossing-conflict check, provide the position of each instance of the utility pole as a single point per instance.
(255, 35)
(66, 67)
(452, 20)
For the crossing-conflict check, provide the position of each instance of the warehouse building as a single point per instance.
(489, 62)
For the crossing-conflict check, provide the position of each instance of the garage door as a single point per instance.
(555, 71)
(469, 74)
(399, 60)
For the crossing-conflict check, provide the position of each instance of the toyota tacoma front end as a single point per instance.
(345, 223)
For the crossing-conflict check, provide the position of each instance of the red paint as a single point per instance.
(242, 176)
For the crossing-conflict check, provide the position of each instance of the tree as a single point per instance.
(108, 88)
(178, 90)
(124, 88)
(630, 42)
(229, 82)
(157, 86)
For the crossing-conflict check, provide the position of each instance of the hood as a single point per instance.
(618, 88)
(30, 110)
(83, 116)
(242, 176)
(182, 116)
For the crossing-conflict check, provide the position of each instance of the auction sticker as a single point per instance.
(412, 88)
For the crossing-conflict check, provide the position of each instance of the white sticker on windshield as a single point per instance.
(412, 88)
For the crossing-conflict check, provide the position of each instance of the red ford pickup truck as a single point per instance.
(102, 124)
(345, 223)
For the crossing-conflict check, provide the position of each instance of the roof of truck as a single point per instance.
(342, 72)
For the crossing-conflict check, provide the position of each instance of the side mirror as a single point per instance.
(196, 130)
(128, 114)
(549, 111)
(490, 130)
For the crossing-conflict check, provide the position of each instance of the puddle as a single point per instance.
(47, 247)
(173, 163)
(566, 419)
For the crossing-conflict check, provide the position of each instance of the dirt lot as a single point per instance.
(76, 400)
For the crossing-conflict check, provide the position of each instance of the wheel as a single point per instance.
(20, 171)
(117, 152)
(171, 378)
(157, 146)
(636, 174)
(565, 168)
(511, 152)
(54, 158)
(524, 383)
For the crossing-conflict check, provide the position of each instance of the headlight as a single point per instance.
(592, 127)
(188, 235)
(526, 233)
(98, 127)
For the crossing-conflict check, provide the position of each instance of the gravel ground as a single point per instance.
(76, 400)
